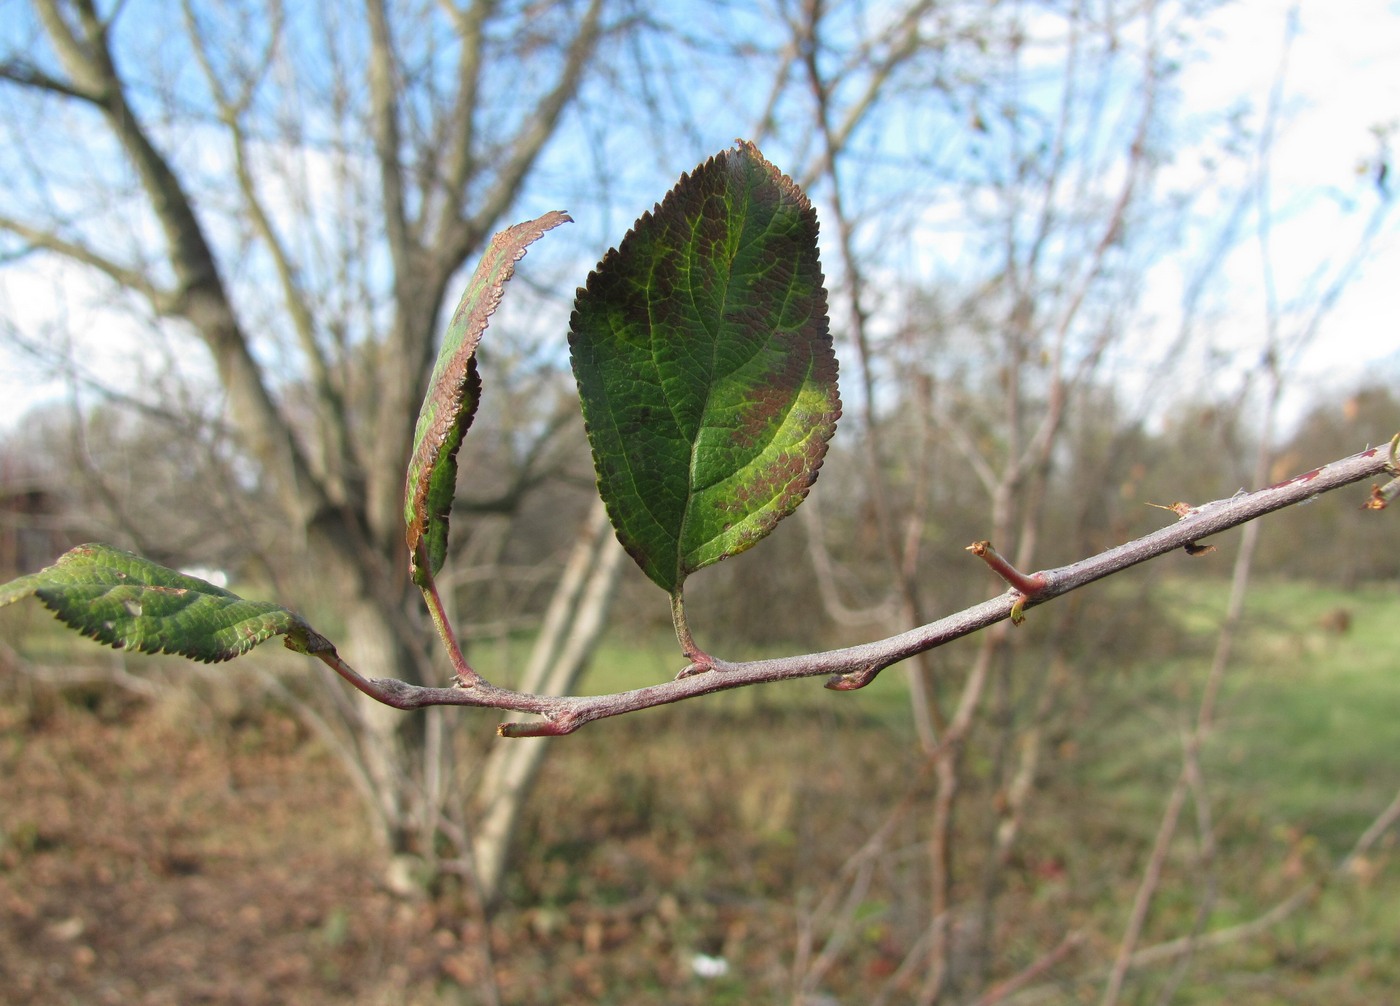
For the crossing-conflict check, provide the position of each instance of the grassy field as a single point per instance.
(1300, 761)
(201, 847)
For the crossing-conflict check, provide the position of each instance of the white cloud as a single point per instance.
(1339, 84)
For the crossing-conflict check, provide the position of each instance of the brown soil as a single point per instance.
(151, 855)
(143, 863)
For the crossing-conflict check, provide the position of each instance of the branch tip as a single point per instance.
(1382, 496)
(1031, 585)
(1179, 508)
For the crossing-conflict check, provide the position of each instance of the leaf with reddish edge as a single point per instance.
(453, 393)
(705, 366)
(129, 602)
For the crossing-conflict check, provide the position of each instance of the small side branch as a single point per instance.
(1027, 587)
(1030, 585)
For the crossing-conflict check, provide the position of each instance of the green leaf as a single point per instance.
(705, 365)
(124, 600)
(453, 393)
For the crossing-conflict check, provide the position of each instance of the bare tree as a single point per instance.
(1055, 171)
(292, 191)
(995, 377)
(1290, 328)
(353, 164)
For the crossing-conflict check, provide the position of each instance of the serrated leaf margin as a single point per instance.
(211, 624)
(791, 474)
(454, 391)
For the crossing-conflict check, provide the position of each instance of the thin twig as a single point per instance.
(855, 666)
(998, 993)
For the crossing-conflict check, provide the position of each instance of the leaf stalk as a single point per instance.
(466, 676)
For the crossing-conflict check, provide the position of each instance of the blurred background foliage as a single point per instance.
(1002, 188)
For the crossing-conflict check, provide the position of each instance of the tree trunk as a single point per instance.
(571, 631)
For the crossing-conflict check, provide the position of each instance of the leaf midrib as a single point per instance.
(682, 532)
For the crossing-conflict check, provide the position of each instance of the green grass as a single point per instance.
(1312, 716)
(1296, 766)
(718, 822)
(1300, 760)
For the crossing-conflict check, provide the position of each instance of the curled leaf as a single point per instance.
(453, 393)
(129, 602)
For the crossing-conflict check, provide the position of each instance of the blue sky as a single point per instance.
(1340, 83)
